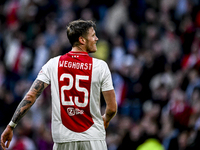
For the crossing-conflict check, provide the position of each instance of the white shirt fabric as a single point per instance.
(76, 83)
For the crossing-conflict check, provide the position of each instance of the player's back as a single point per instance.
(74, 76)
(76, 82)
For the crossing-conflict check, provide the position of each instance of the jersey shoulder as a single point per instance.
(52, 61)
(99, 62)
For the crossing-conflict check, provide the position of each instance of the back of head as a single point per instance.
(78, 28)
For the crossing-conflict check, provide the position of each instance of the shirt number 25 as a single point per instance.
(78, 88)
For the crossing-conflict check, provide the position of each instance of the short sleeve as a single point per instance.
(44, 74)
(106, 78)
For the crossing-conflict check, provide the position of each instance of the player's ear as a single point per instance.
(82, 40)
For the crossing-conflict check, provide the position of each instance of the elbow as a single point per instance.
(30, 97)
(113, 109)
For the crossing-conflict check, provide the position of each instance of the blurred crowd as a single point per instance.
(151, 46)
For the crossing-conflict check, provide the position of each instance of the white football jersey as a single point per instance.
(76, 82)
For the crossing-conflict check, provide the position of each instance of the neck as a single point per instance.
(78, 49)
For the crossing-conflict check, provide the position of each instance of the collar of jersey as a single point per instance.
(80, 53)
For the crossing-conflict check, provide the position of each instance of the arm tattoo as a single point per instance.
(38, 87)
(34, 92)
(19, 113)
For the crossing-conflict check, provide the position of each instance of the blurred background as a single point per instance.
(151, 46)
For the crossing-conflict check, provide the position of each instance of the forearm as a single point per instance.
(30, 98)
(111, 105)
(22, 109)
(109, 114)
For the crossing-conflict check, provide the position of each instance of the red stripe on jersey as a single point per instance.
(74, 79)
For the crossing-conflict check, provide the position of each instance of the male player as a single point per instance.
(76, 83)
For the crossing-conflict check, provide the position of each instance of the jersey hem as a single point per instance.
(75, 140)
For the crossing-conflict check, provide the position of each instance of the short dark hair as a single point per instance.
(78, 28)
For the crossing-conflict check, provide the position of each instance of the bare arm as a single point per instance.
(111, 106)
(29, 99)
